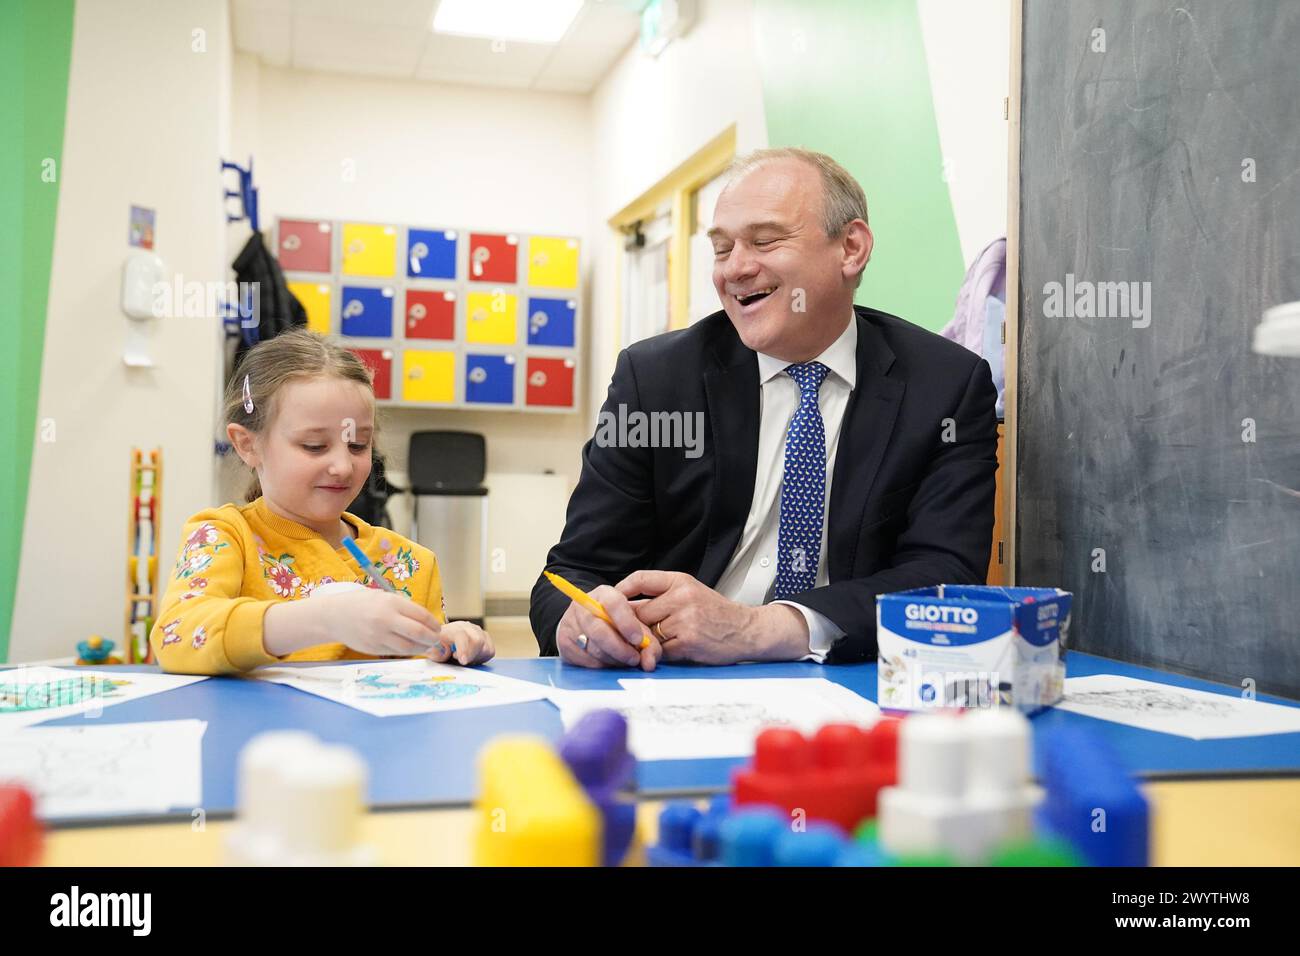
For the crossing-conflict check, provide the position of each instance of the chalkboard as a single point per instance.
(1159, 457)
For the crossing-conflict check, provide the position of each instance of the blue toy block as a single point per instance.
(821, 844)
(749, 836)
(1092, 800)
(706, 840)
(677, 823)
(864, 853)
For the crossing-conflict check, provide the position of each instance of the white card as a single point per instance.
(395, 688)
(1175, 710)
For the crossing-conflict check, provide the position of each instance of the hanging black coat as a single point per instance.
(277, 309)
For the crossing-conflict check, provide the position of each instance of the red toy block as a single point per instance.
(833, 777)
(20, 832)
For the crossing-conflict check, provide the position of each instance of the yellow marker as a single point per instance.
(589, 602)
(531, 810)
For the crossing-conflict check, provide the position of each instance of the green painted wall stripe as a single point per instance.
(850, 79)
(35, 51)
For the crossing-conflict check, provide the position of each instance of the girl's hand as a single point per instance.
(378, 623)
(473, 644)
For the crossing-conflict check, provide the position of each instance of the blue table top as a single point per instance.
(429, 759)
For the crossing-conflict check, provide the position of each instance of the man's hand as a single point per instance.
(696, 623)
(605, 646)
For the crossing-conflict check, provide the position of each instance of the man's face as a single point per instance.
(781, 279)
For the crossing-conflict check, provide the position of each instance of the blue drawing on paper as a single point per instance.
(374, 687)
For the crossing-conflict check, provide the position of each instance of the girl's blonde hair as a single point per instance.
(292, 356)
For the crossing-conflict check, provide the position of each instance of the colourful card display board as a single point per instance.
(306, 245)
(369, 250)
(444, 316)
(380, 364)
(429, 376)
(316, 299)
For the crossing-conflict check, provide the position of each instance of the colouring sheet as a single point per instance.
(31, 695)
(395, 688)
(1175, 710)
(690, 719)
(101, 769)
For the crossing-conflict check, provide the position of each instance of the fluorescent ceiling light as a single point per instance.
(524, 21)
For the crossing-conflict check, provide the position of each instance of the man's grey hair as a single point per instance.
(843, 198)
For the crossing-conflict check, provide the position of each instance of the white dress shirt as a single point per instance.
(750, 576)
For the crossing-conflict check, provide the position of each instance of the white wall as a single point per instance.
(649, 116)
(424, 153)
(968, 52)
(143, 127)
(413, 152)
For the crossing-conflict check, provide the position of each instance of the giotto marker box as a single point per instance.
(959, 645)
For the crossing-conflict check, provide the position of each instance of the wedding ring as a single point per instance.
(659, 633)
(582, 641)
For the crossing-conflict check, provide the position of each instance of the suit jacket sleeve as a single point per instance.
(609, 527)
(948, 529)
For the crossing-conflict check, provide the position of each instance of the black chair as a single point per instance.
(447, 463)
(446, 471)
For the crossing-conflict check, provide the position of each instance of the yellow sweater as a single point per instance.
(237, 560)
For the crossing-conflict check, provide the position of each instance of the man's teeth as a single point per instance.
(749, 297)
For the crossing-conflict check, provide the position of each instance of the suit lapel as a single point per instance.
(864, 435)
(731, 391)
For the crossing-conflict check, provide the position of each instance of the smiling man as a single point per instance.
(846, 453)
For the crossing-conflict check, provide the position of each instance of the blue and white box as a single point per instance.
(958, 645)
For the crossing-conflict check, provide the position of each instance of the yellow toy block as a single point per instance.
(315, 298)
(553, 262)
(531, 810)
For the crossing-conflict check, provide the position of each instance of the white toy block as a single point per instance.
(326, 794)
(963, 786)
(300, 804)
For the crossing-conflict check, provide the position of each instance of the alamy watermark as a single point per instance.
(638, 429)
(1084, 299)
(207, 300)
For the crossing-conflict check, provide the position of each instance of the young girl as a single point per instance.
(264, 582)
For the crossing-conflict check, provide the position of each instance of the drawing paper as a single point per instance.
(689, 719)
(102, 769)
(395, 688)
(1175, 710)
(31, 695)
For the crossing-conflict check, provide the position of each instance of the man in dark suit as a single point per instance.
(843, 453)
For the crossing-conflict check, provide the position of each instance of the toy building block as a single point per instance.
(677, 823)
(595, 750)
(689, 836)
(835, 777)
(706, 840)
(821, 844)
(531, 809)
(749, 836)
(21, 833)
(963, 787)
(1093, 802)
(1040, 851)
(864, 853)
(300, 804)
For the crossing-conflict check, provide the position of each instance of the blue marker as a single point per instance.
(374, 570)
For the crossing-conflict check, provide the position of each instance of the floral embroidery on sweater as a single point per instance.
(200, 548)
(169, 633)
(279, 573)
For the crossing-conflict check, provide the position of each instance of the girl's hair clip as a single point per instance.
(248, 396)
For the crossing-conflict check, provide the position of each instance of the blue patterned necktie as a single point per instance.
(803, 487)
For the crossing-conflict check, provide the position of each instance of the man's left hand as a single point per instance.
(696, 623)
